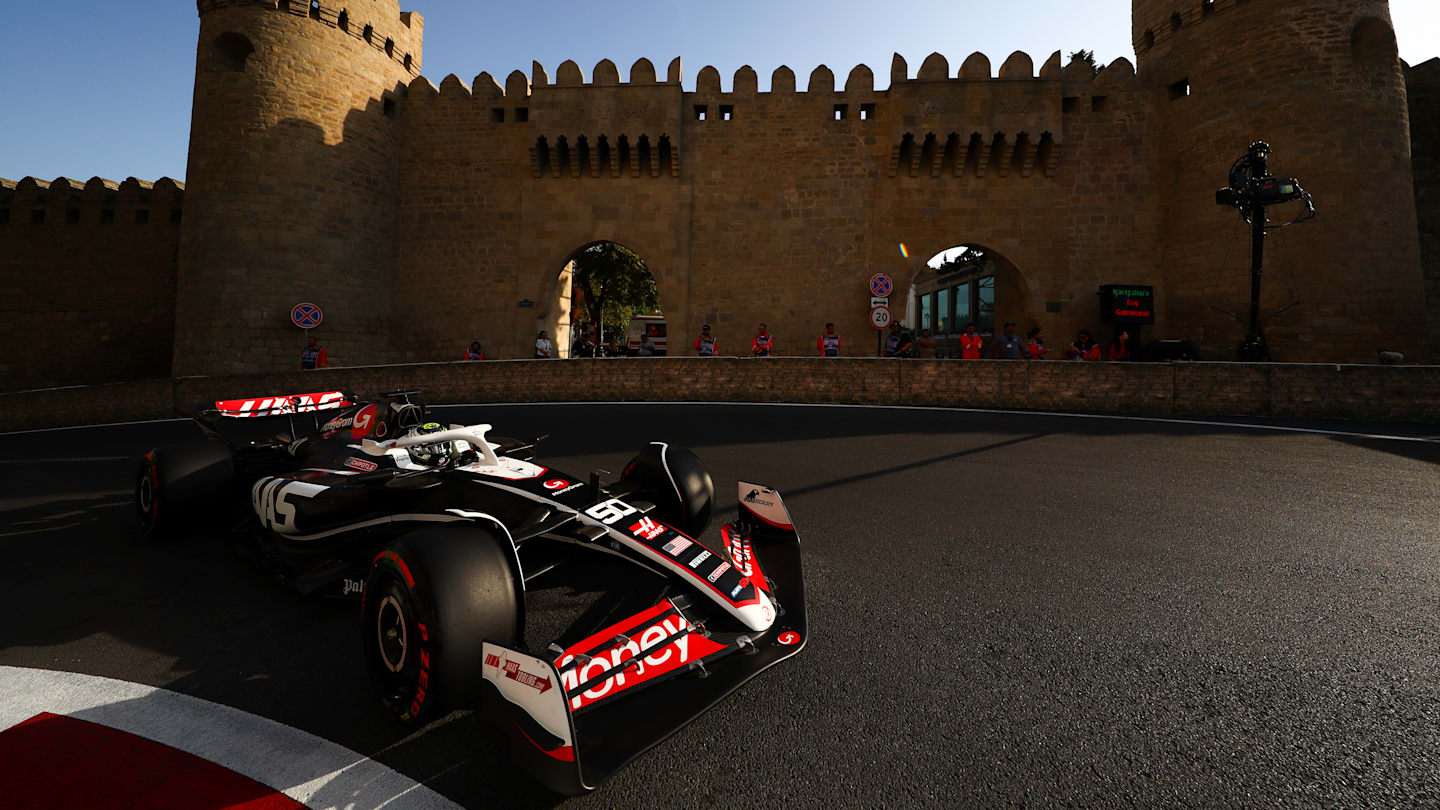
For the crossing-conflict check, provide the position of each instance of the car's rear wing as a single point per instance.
(582, 714)
(283, 404)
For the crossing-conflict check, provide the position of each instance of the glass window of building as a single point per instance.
(962, 306)
(985, 308)
(925, 312)
(942, 312)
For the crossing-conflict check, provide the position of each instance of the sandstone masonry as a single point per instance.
(324, 167)
(1282, 390)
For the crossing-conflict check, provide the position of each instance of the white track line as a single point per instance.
(62, 460)
(102, 424)
(308, 769)
(1159, 419)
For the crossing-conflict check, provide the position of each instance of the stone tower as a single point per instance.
(292, 148)
(1322, 82)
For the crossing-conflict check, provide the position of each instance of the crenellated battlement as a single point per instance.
(518, 86)
(378, 24)
(33, 201)
(975, 122)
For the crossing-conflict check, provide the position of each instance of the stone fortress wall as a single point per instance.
(88, 272)
(688, 180)
(1321, 81)
(293, 173)
(1367, 393)
(324, 167)
(1422, 84)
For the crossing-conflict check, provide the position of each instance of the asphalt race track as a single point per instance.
(1004, 608)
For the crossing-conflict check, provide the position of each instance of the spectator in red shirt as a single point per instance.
(970, 343)
(763, 344)
(475, 352)
(313, 355)
(829, 343)
(1120, 347)
(1035, 348)
(706, 345)
(1084, 347)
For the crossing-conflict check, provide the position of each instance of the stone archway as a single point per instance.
(560, 310)
(973, 283)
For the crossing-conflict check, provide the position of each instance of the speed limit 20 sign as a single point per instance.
(880, 317)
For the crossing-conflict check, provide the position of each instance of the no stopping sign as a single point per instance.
(306, 316)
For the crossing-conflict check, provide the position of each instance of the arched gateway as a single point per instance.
(969, 284)
(460, 201)
(597, 282)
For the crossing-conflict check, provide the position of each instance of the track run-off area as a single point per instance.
(1004, 608)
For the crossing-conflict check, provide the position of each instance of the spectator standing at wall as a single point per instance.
(970, 343)
(313, 356)
(763, 343)
(647, 346)
(706, 345)
(899, 343)
(925, 345)
(583, 345)
(829, 343)
(544, 349)
(1120, 347)
(1009, 346)
(1035, 348)
(1084, 347)
(612, 348)
(475, 352)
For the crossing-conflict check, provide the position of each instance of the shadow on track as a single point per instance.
(909, 467)
(995, 600)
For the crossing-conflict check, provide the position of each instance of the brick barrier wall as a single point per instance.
(1373, 393)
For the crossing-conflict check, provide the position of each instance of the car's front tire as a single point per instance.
(431, 598)
(679, 484)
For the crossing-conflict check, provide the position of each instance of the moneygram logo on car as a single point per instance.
(670, 644)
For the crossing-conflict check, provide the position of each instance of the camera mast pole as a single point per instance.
(1255, 349)
(1251, 189)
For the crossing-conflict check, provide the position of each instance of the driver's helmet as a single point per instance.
(436, 454)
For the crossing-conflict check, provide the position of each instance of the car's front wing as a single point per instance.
(577, 718)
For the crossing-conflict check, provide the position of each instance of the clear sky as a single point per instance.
(103, 87)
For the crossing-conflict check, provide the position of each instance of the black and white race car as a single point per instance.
(440, 530)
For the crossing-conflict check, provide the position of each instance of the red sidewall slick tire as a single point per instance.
(431, 599)
(147, 496)
(178, 482)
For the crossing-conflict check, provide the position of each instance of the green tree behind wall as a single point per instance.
(615, 286)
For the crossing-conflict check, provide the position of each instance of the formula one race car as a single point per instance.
(441, 529)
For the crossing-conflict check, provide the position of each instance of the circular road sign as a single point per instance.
(881, 286)
(880, 317)
(306, 316)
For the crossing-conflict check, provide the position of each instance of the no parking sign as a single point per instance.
(881, 286)
(306, 316)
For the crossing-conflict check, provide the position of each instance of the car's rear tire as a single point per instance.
(679, 484)
(431, 598)
(176, 483)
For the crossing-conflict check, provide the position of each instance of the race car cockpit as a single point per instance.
(433, 454)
